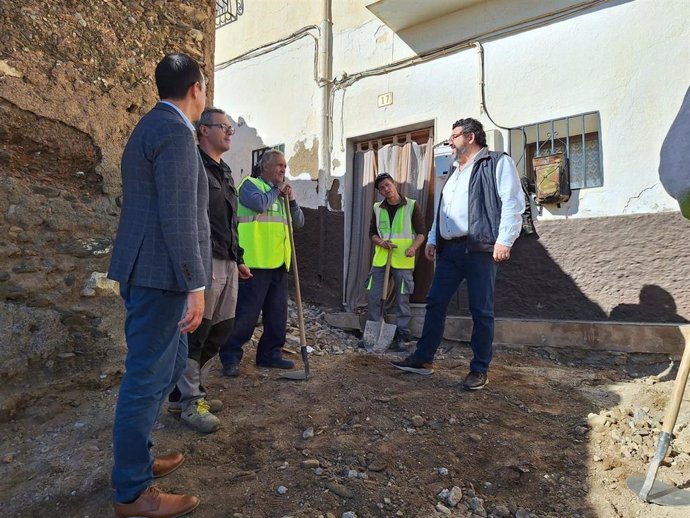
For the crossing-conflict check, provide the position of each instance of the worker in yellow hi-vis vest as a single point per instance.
(264, 237)
(396, 224)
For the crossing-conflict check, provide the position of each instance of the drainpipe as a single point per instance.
(325, 81)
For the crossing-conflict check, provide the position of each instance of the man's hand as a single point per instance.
(195, 312)
(430, 252)
(501, 253)
(244, 272)
(388, 245)
(286, 190)
(410, 252)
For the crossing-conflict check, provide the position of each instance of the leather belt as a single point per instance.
(457, 240)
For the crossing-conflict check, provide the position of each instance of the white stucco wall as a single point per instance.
(630, 62)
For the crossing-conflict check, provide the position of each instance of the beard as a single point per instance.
(460, 152)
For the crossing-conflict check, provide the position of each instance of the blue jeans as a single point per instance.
(156, 357)
(266, 292)
(453, 264)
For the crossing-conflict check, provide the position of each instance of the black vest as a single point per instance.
(484, 211)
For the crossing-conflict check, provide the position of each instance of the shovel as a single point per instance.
(648, 488)
(379, 335)
(297, 375)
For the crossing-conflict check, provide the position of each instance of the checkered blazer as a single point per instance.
(164, 238)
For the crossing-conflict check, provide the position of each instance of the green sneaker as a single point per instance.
(198, 416)
(214, 406)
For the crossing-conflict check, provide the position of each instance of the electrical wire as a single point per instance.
(275, 45)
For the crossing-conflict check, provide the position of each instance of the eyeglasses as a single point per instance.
(453, 137)
(225, 127)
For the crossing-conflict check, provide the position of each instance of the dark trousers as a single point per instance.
(156, 357)
(453, 264)
(266, 293)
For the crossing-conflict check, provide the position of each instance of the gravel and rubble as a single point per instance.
(543, 439)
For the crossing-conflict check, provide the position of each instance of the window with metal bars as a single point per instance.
(227, 11)
(577, 136)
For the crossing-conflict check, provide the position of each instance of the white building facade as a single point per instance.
(344, 85)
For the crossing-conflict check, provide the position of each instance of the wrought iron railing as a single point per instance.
(227, 11)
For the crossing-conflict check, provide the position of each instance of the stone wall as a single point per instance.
(75, 77)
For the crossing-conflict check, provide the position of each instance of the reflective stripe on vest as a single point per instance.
(400, 233)
(264, 236)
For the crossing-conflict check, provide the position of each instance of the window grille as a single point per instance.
(227, 11)
(578, 136)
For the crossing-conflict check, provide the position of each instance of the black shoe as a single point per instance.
(475, 381)
(175, 395)
(277, 364)
(232, 371)
(412, 364)
(399, 346)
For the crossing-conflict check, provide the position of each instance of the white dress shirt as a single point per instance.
(454, 213)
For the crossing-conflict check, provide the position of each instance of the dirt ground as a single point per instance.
(543, 439)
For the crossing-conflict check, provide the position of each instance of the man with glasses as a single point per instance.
(214, 133)
(479, 218)
(162, 260)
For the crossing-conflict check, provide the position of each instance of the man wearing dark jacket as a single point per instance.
(214, 132)
(478, 220)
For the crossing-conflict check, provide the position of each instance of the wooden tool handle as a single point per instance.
(298, 293)
(679, 386)
(386, 274)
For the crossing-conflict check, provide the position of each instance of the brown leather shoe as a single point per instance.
(153, 503)
(166, 464)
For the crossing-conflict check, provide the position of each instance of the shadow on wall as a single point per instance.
(533, 285)
(245, 140)
(656, 304)
(319, 249)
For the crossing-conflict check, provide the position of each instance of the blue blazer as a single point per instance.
(164, 239)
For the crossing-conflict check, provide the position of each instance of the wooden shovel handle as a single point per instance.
(298, 293)
(679, 387)
(386, 274)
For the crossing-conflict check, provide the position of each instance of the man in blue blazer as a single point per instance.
(162, 260)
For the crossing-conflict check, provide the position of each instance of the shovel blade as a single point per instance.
(294, 375)
(660, 493)
(385, 338)
(372, 330)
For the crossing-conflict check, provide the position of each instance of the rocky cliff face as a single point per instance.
(75, 77)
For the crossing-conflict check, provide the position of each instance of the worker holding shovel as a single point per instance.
(264, 235)
(397, 229)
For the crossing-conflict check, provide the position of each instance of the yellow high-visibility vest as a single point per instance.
(400, 233)
(264, 236)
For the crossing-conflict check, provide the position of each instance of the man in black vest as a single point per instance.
(478, 219)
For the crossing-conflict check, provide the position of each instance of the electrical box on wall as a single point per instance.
(443, 160)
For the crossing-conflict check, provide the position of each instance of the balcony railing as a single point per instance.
(227, 11)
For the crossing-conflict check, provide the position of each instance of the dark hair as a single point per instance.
(380, 178)
(175, 74)
(472, 126)
(207, 118)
